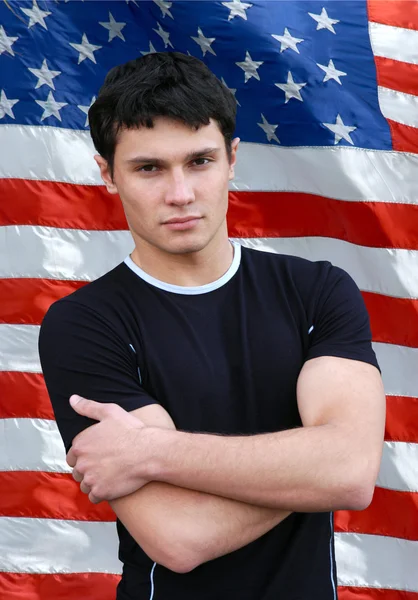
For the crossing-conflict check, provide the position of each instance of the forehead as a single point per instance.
(168, 140)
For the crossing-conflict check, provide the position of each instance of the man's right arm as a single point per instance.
(181, 528)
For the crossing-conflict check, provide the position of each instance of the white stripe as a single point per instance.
(46, 252)
(55, 546)
(398, 106)
(19, 348)
(394, 42)
(391, 272)
(376, 561)
(331, 554)
(31, 445)
(37, 446)
(343, 173)
(151, 596)
(399, 368)
(399, 468)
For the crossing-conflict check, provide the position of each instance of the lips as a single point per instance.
(182, 223)
(181, 220)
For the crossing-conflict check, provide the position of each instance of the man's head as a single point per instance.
(163, 127)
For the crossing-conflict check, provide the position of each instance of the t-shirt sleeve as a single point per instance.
(340, 321)
(82, 353)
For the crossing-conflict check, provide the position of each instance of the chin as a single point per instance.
(186, 246)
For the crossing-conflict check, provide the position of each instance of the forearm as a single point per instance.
(176, 526)
(307, 469)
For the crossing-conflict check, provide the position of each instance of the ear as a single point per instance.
(105, 173)
(234, 148)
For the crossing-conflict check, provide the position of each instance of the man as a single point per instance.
(230, 399)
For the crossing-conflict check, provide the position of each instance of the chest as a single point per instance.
(229, 366)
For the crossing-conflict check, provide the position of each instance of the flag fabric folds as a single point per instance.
(327, 96)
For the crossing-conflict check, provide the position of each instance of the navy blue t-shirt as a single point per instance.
(220, 358)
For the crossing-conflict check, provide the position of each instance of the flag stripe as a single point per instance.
(398, 365)
(57, 496)
(344, 173)
(51, 253)
(382, 516)
(250, 214)
(394, 42)
(28, 393)
(404, 138)
(398, 106)
(37, 494)
(376, 561)
(63, 586)
(39, 448)
(397, 75)
(402, 13)
(392, 319)
(401, 419)
(363, 593)
(89, 546)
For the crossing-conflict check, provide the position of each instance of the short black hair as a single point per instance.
(169, 84)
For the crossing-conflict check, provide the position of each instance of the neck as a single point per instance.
(188, 270)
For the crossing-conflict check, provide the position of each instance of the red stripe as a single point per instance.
(251, 214)
(52, 204)
(27, 300)
(353, 593)
(391, 513)
(287, 214)
(24, 395)
(393, 320)
(36, 494)
(396, 75)
(399, 13)
(62, 586)
(404, 137)
(401, 419)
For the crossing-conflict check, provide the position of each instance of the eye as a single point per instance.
(147, 169)
(202, 161)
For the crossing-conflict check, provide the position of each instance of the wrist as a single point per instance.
(159, 443)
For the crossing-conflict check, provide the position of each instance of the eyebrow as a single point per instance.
(158, 161)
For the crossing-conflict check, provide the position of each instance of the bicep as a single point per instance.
(346, 393)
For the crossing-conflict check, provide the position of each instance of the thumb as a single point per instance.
(88, 408)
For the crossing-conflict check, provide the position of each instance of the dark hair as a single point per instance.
(169, 84)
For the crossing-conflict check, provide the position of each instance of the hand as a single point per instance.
(105, 456)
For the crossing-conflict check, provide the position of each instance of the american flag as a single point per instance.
(327, 96)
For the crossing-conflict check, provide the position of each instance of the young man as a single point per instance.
(231, 399)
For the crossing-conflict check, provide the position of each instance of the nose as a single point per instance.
(179, 190)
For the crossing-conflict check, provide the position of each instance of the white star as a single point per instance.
(36, 15)
(85, 49)
(340, 130)
(115, 29)
(134, 1)
(152, 50)
(250, 66)
(269, 129)
(291, 89)
(51, 107)
(204, 42)
(164, 35)
(237, 9)
(44, 75)
(287, 41)
(85, 110)
(6, 43)
(323, 20)
(331, 72)
(6, 105)
(233, 91)
(165, 7)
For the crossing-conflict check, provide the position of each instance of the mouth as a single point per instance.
(182, 223)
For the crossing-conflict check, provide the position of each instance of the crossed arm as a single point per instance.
(209, 495)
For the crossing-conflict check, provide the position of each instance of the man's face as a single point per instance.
(173, 183)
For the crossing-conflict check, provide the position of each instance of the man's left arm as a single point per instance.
(330, 463)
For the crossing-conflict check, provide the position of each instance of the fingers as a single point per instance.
(71, 459)
(93, 410)
(77, 476)
(85, 488)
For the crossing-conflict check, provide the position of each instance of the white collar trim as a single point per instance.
(191, 290)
